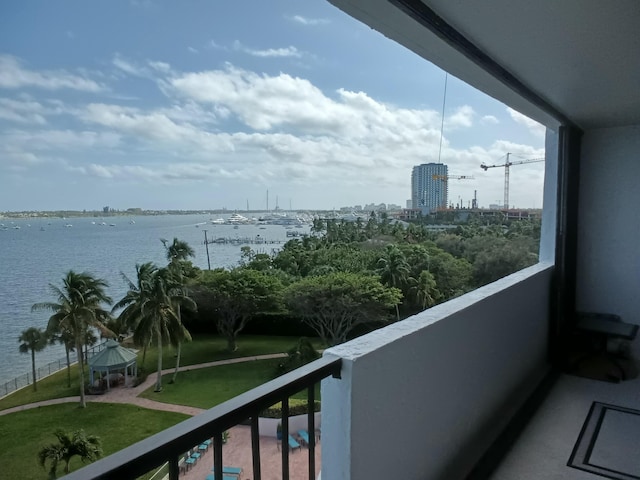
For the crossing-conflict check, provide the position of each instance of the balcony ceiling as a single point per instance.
(580, 56)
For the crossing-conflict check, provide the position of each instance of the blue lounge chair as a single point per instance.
(194, 454)
(211, 476)
(230, 470)
(293, 444)
(190, 462)
(304, 435)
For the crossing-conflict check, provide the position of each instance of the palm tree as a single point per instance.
(64, 336)
(393, 269)
(177, 254)
(33, 340)
(151, 311)
(87, 447)
(78, 309)
(425, 290)
(134, 300)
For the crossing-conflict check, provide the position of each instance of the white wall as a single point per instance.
(424, 397)
(608, 268)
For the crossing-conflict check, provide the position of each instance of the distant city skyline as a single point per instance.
(211, 104)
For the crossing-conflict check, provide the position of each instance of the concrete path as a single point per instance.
(130, 395)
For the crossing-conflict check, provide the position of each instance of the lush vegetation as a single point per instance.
(339, 282)
(24, 434)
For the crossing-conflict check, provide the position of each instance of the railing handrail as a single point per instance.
(169, 444)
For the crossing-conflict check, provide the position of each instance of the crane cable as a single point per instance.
(444, 100)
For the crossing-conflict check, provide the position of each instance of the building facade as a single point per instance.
(429, 187)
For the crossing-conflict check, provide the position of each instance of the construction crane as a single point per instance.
(506, 166)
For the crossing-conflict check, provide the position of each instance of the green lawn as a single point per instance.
(54, 386)
(203, 348)
(22, 434)
(209, 348)
(207, 387)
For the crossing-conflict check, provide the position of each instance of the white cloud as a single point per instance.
(22, 111)
(534, 127)
(54, 140)
(289, 51)
(129, 67)
(192, 50)
(235, 125)
(489, 120)
(308, 21)
(14, 75)
(461, 118)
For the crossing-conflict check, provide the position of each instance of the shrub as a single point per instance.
(298, 356)
(296, 407)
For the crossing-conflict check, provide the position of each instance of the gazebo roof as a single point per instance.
(114, 356)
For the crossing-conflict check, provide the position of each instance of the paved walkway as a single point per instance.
(130, 395)
(237, 451)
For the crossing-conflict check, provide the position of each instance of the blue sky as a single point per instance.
(203, 105)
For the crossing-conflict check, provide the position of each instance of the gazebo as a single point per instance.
(113, 358)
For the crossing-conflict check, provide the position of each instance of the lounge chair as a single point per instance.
(293, 443)
(190, 461)
(211, 476)
(230, 471)
(304, 436)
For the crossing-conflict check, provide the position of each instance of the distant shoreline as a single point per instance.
(129, 213)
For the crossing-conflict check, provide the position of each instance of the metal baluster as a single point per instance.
(217, 455)
(285, 438)
(174, 470)
(311, 428)
(255, 447)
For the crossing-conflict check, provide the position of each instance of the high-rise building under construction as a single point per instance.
(429, 187)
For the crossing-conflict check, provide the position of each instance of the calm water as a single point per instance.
(32, 258)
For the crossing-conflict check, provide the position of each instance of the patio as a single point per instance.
(237, 453)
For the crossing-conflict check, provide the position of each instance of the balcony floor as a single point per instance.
(546, 444)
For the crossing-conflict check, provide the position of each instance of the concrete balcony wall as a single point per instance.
(608, 270)
(424, 398)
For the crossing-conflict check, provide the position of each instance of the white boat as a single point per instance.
(68, 225)
(236, 219)
(218, 221)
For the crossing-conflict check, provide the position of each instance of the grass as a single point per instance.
(203, 348)
(207, 387)
(210, 348)
(23, 434)
(54, 386)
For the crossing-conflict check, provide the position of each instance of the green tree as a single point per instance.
(424, 290)
(64, 336)
(178, 253)
(78, 309)
(150, 310)
(393, 269)
(87, 447)
(132, 303)
(238, 294)
(33, 340)
(334, 304)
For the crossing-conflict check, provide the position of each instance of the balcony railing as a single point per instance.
(169, 445)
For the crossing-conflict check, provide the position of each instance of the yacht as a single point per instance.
(218, 221)
(236, 219)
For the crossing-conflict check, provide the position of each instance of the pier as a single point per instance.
(257, 240)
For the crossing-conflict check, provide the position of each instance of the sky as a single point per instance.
(211, 104)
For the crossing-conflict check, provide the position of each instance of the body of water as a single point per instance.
(42, 250)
